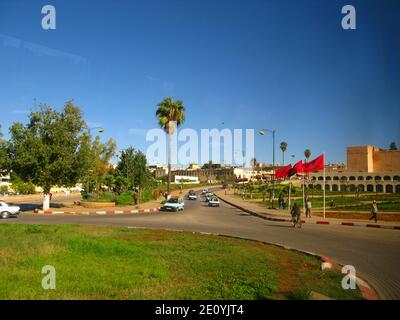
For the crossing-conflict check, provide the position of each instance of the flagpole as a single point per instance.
(304, 205)
(290, 191)
(324, 184)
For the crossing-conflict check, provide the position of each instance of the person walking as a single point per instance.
(280, 202)
(374, 211)
(295, 212)
(308, 209)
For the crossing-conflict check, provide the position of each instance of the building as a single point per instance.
(368, 169)
(206, 174)
(186, 179)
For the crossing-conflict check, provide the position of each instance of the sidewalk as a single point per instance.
(280, 215)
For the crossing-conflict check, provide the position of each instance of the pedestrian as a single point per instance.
(308, 209)
(280, 202)
(135, 197)
(374, 211)
(295, 213)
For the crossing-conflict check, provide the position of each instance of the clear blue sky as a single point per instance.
(249, 64)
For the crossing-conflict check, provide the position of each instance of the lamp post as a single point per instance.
(273, 131)
(100, 129)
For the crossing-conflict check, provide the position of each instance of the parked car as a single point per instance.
(173, 204)
(192, 196)
(7, 211)
(213, 202)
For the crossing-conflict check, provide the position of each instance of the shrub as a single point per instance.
(124, 199)
(100, 197)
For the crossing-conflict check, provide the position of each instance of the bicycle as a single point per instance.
(296, 220)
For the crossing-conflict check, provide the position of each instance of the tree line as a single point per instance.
(57, 149)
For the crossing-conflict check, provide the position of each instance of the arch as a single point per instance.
(343, 178)
(314, 178)
(387, 178)
(389, 188)
(352, 187)
(398, 188)
(335, 187)
(379, 188)
(335, 178)
(368, 178)
(378, 178)
(360, 178)
(361, 187)
(396, 178)
(343, 187)
(328, 187)
(352, 178)
(320, 178)
(318, 187)
(328, 178)
(370, 188)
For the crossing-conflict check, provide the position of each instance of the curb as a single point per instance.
(108, 212)
(320, 222)
(367, 291)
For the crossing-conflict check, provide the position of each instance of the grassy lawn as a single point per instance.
(121, 263)
(386, 203)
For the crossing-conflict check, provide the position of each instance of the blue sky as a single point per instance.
(250, 64)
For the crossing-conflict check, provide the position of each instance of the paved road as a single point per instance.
(375, 253)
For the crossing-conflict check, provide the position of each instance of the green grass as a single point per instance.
(386, 203)
(121, 263)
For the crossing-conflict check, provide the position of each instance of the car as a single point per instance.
(173, 204)
(7, 210)
(208, 196)
(213, 202)
(204, 191)
(192, 196)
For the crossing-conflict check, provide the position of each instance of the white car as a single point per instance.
(7, 211)
(204, 191)
(192, 196)
(213, 202)
(174, 204)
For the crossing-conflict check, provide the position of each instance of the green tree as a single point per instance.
(51, 149)
(307, 154)
(170, 115)
(100, 154)
(254, 163)
(283, 147)
(393, 146)
(4, 155)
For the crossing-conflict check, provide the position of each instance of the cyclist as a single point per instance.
(295, 212)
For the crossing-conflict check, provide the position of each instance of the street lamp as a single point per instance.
(100, 129)
(262, 132)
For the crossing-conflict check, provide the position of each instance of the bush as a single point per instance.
(23, 187)
(4, 189)
(100, 197)
(124, 199)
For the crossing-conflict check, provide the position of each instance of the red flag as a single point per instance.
(283, 172)
(316, 165)
(297, 168)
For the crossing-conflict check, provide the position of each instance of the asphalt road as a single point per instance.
(375, 253)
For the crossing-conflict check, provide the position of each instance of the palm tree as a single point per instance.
(254, 163)
(307, 154)
(170, 115)
(393, 146)
(283, 147)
